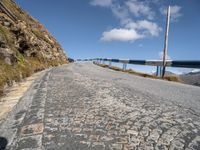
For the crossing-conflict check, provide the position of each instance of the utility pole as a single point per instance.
(166, 42)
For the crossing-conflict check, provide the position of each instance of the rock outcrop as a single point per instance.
(25, 43)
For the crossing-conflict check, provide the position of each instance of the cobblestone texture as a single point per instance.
(75, 111)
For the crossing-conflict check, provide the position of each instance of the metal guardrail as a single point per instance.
(158, 63)
(169, 63)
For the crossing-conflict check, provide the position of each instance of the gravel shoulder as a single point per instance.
(15, 93)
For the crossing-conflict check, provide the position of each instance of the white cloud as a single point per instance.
(139, 8)
(121, 13)
(174, 11)
(121, 35)
(147, 27)
(136, 19)
(103, 3)
(132, 31)
(161, 56)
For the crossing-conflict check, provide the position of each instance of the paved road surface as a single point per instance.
(83, 106)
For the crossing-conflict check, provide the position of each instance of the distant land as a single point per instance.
(192, 78)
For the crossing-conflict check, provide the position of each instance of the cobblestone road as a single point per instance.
(70, 109)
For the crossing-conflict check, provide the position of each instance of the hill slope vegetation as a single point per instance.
(25, 45)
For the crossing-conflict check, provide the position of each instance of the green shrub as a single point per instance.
(20, 58)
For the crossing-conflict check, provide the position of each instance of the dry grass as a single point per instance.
(7, 36)
(130, 71)
(25, 67)
(40, 35)
(15, 10)
(8, 74)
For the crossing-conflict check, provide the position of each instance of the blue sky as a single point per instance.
(131, 29)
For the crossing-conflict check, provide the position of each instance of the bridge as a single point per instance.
(84, 106)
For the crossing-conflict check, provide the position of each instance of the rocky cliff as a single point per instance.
(25, 45)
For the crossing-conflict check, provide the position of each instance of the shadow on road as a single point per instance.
(3, 143)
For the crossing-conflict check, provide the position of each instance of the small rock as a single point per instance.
(2, 42)
(7, 24)
(7, 55)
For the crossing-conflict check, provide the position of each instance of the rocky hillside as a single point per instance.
(191, 78)
(25, 45)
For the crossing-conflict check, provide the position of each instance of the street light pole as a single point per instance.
(166, 42)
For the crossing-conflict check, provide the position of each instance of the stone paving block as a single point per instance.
(94, 138)
(32, 129)
(30, 142)
(82, 112)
